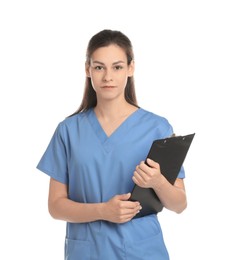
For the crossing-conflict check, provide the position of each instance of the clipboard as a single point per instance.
(170, 153)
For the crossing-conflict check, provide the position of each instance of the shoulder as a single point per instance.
(70, 124)
(157, 122)
(148, 115)
(74, 119)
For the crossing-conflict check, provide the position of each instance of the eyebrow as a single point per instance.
(114, 63)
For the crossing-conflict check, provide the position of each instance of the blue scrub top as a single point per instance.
(96, 168)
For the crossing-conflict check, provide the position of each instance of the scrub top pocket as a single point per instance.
(77, 249)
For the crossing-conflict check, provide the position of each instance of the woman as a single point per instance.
(97, 154)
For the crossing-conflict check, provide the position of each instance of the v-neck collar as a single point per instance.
(108, 142)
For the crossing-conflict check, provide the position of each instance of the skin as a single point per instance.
(109, 71)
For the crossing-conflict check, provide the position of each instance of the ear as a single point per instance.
(87, 71)
(131, 69)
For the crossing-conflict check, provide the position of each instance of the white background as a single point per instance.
(182, 72)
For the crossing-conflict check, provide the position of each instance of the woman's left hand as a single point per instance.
(148, 176)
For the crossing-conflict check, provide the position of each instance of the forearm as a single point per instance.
(172, 197)
(118, 209)
(75, 212)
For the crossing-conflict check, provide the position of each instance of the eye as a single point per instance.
(98, 68)
(118, 67)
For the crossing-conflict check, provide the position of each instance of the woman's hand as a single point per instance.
(119, 209)
(173, 197)
(148, 176)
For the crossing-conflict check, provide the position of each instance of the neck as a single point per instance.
(111, 111)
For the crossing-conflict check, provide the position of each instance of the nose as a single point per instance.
(107, 75)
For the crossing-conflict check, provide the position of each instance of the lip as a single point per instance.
(108, 86)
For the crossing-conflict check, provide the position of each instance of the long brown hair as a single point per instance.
(102, 39)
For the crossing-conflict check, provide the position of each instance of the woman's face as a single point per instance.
(109, 72)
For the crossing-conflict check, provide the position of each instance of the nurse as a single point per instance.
(97, 154)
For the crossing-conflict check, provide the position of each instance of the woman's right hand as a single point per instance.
(119, 209)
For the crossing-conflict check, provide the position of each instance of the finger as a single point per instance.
(152, 163)
(140, 174)
(138, 179)
(124, 196)
(129, 213)
(144, 169)
(125, 219)
(132, 205)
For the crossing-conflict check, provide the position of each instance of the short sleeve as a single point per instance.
(54, 160)
(181, 174)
